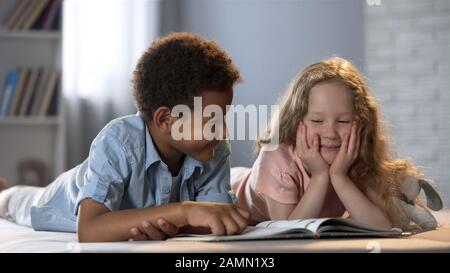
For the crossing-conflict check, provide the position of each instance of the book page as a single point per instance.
(349, 224)
(250, 233)
(306, 228)
(312, 224)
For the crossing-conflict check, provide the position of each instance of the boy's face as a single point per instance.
(205, 131)
(330, 114)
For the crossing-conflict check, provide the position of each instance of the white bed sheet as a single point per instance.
(15, 238)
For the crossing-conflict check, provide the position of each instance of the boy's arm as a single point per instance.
(96, 223)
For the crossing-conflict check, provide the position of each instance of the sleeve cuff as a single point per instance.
(97, 192)
(225, 197)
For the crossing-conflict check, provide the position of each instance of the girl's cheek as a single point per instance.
(309, 138)
(345, 130)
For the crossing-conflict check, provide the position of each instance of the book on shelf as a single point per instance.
(30, 92)
(18, 91)
(34, 14)
(10, 86)
(23, 15)
(49, 19)
(299, 229)
(39, 92)
(15, 14)
(49, 92)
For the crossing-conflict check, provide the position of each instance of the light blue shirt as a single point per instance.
(124, 171)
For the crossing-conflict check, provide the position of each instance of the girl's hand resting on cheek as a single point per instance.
(348, 152)
(310, 156)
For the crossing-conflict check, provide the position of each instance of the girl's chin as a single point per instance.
(329, 158)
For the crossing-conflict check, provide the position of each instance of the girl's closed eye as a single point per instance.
(340, 121)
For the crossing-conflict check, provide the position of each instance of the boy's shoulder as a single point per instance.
(125, 129)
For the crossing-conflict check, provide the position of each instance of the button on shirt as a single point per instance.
(124, 171)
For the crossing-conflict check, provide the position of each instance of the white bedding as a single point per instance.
(15, 238)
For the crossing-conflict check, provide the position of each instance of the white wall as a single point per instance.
(99, 56)
(270, 41)
(408, 57)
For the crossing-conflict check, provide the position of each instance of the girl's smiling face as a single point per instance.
(330, 115)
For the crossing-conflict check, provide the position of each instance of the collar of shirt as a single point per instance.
(152, 156)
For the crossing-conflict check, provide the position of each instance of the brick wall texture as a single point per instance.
(408, 70)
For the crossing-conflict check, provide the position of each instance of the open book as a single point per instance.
(307, 228)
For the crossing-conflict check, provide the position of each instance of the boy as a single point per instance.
(137, 177)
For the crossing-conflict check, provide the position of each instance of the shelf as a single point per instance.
(31, 34)
(32, 121)
(39, 137)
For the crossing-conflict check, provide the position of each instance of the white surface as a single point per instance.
(14, 238)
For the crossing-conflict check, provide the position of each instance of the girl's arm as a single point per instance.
(356, 203)
(96, 223)
(311, 203)
(310, 206)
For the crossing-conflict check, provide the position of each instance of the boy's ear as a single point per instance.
(162, 119)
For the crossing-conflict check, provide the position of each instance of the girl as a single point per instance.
(332, 158)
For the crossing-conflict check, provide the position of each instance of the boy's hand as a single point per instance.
(348, 152)
(310, 156)
(147, 231)
(221, 219)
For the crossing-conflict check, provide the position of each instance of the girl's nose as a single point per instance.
(330, 131)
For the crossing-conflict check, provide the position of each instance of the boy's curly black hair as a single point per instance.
(177, 67)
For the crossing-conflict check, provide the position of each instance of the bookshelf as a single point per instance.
(31, 34)
(38, 135)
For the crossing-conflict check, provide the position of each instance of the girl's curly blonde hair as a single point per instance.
(375, 170)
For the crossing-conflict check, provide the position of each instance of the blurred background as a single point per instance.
(401, 46)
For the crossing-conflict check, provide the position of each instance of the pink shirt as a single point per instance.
(279, 175)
